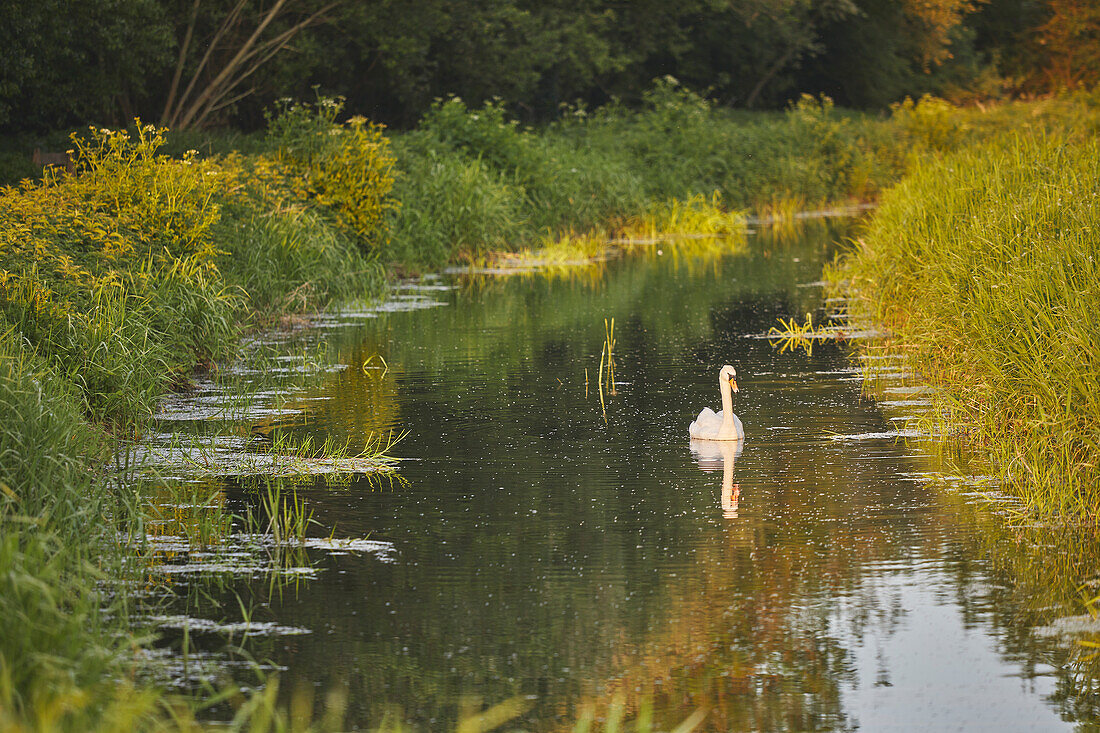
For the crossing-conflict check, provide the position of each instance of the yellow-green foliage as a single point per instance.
(985, 266)
(153, 206)
(931, 123)
(110, 273)
(935, 126)
(696, 215)
(348, 169)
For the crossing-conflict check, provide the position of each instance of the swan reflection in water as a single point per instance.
(712, 455)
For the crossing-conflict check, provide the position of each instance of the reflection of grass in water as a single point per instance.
(193, 512)
(697, 223)
(794, 335)
(610, 719)
(614, 718)
(1044, 574)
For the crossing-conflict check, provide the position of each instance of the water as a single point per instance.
(538, 544)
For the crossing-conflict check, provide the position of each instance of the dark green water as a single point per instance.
(540, 549)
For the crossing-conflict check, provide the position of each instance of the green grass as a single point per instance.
(292, 263)
(471, 183)
(115, 285)
(983, 266)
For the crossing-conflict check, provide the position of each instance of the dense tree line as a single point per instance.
(194, 63)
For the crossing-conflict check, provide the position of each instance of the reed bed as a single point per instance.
(983, 266)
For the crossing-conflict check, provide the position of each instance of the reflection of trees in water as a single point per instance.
(502, 321)
(472, 607)
(361, 399)
(1020, 575)
(746, 632)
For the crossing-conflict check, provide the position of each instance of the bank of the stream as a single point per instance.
(117, 283)
(982, 267)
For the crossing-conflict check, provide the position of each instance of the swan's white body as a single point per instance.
(722, 425)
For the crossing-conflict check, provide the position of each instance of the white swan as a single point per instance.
(724, 425)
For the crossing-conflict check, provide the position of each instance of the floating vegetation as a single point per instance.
(247, 627)
(228, 455)
(697, 223)
(793, 335)
(243, 553)
(888, 435)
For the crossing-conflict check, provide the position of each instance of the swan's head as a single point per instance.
(729, 374)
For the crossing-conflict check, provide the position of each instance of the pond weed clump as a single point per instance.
(984, 267)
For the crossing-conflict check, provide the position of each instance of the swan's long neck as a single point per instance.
(727, 406)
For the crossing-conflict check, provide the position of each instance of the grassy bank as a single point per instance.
(474, 183)
(984, 268)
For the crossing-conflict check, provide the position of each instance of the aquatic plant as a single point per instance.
(794, 335)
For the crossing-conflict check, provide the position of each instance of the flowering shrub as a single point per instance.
(346, 169)
(110, 273)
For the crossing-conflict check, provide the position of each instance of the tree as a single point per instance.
(241, 40)
(888, 49)
(67, 62)
(1069, 43)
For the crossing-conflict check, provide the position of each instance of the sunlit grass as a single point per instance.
(695, 217)
(983, 268)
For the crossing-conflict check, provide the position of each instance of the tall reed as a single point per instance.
(984, 268)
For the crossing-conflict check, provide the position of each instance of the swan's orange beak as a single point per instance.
(733, 383)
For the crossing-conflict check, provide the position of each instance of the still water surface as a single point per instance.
(543, 547)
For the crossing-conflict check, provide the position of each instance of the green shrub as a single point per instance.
(452, 207)
(485, 134)
(347, 169)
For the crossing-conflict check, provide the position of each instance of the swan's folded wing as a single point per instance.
(706, 424)
(707, 415)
